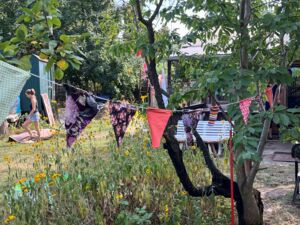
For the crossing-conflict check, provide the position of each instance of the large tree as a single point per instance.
(252, 34)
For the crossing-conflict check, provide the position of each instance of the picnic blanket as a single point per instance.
(24, 137)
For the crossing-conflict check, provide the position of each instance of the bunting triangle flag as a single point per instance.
(157, 119)
(139, 53)
(269, 94)
(245, 108)
(120, 116)
(81, 109)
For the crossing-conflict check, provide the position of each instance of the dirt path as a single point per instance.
(276, 183)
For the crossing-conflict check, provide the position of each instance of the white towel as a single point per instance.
(12, 80)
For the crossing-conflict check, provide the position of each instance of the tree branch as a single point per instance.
(158, 6)
(220, 183)
(139, 12)
(262, 142)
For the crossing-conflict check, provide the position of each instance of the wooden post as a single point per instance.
(4, 128)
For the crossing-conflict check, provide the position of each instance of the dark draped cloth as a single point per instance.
(120, 116)
(190, 121)
(81, 108)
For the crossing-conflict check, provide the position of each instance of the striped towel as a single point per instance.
(213, 115)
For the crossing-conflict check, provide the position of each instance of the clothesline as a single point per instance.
(106, 99)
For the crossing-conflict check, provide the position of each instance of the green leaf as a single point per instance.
(284, 119)
(64, 38)
(295, 110)
(276, 118)
(50, 64)
(56, 21)
(21, 32)
(25, 62)
(52, 45)
(279, 108)
(59, 74)
(76, 66)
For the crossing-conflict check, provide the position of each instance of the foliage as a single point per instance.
(219, 73)
(108, 185)
(37, 33)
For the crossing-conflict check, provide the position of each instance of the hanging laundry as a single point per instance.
(12, 80)
(81, 108)
(245, 108)
(120, 116)
(213, 115)
(163, 86)
(157, 119)
(190, 121)
(295, 71)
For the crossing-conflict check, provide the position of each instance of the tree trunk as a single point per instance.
(253, 213)
(253, 206)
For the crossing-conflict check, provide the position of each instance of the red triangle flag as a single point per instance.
(157, 119)
(139, 53)
(244, 107)
(145, 67)
(269, 93)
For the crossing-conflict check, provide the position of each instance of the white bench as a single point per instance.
(211, 134)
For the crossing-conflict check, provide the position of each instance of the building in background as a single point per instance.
(42, 84)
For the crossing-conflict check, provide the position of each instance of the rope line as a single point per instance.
(106, 99)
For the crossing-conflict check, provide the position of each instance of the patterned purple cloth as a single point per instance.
(120, 116)
(190, 120)
(80, 110)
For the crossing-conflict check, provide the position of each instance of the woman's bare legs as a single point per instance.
(37, 128)
(25, 126)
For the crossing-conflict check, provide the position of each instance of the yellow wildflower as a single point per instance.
(22, 180)
(126, 153)
(194, 147)
(10, 218)
(37, 179)
(42, 175)
(166, 210)
(119, 196)
(7, 159)
(37, 157)
(143, 97)
(148, 153)
(183, 193)
(148, 171)
(55, 175)
(25, 190)
(39, 176)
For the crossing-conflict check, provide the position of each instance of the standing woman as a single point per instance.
(34, 115)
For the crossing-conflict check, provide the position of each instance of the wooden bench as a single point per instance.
(217, 133)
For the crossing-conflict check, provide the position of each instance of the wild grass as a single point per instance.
(98, 183)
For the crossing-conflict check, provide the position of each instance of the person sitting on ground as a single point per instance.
(34, 115)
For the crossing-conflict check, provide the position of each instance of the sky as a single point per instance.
(181, 29)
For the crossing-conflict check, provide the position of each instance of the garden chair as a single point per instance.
(211, 134)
